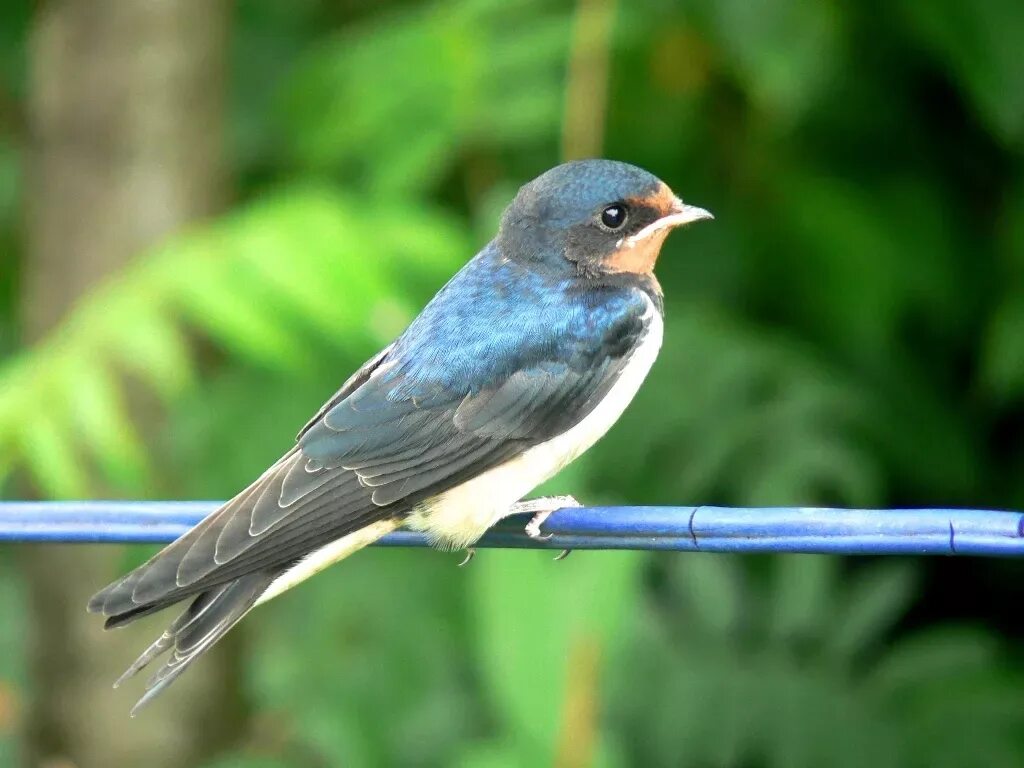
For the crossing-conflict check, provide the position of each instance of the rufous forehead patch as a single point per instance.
(662, 200)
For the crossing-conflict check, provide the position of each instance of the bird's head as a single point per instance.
(602, 216)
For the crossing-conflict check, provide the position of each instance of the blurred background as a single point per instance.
(212, 212)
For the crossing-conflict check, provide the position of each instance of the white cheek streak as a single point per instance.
(460, 516)
(327, 555)
(684, 214)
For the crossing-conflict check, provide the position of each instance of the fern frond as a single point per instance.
(307, 262)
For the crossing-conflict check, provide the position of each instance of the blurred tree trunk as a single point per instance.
(125, 130)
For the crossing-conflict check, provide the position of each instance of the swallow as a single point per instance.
(523, 360)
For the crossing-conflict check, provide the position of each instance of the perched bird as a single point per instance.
(518, 365)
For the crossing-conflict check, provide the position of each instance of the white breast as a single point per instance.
(459, 516)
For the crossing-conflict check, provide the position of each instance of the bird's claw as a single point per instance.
(562, 555)
(533, 527)
(470, 554)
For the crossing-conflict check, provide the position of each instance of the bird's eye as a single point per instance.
(614, 216)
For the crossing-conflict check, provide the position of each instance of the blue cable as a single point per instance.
(687, 529)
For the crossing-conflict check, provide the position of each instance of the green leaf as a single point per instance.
(1002, 359)
(712, 587)
(979, 45)
(47, 452)
(98, 416)
(875, 599)
(1004, 349)
(931, 656)
(239, 311)
(547, 631)
(473, 84)
(153, 348)
(786, 52)
(801, 603)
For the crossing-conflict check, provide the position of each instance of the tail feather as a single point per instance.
(215, 608)
(207, 619)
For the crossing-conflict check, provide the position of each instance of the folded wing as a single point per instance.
(388, 439)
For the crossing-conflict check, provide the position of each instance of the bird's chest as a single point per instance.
(459, 516)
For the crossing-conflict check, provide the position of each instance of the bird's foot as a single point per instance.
(470, 554)
(542, 509)
(533, 527)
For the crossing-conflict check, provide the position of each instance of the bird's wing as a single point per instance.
(406, 437)
(388, 440)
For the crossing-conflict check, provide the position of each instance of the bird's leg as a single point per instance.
(542, 509)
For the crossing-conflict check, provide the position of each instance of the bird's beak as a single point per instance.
(680, 214)
(683, 214)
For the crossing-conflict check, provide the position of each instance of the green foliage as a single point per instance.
(261, 283)
(763, 423)
(797, 669)
(784, 52)
(848, 331)
(1003, 361)
(389, 662)
(13, 661)
(476, 86)
(545, 648)
(980, 48)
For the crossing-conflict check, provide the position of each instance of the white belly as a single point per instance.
(458, 517)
